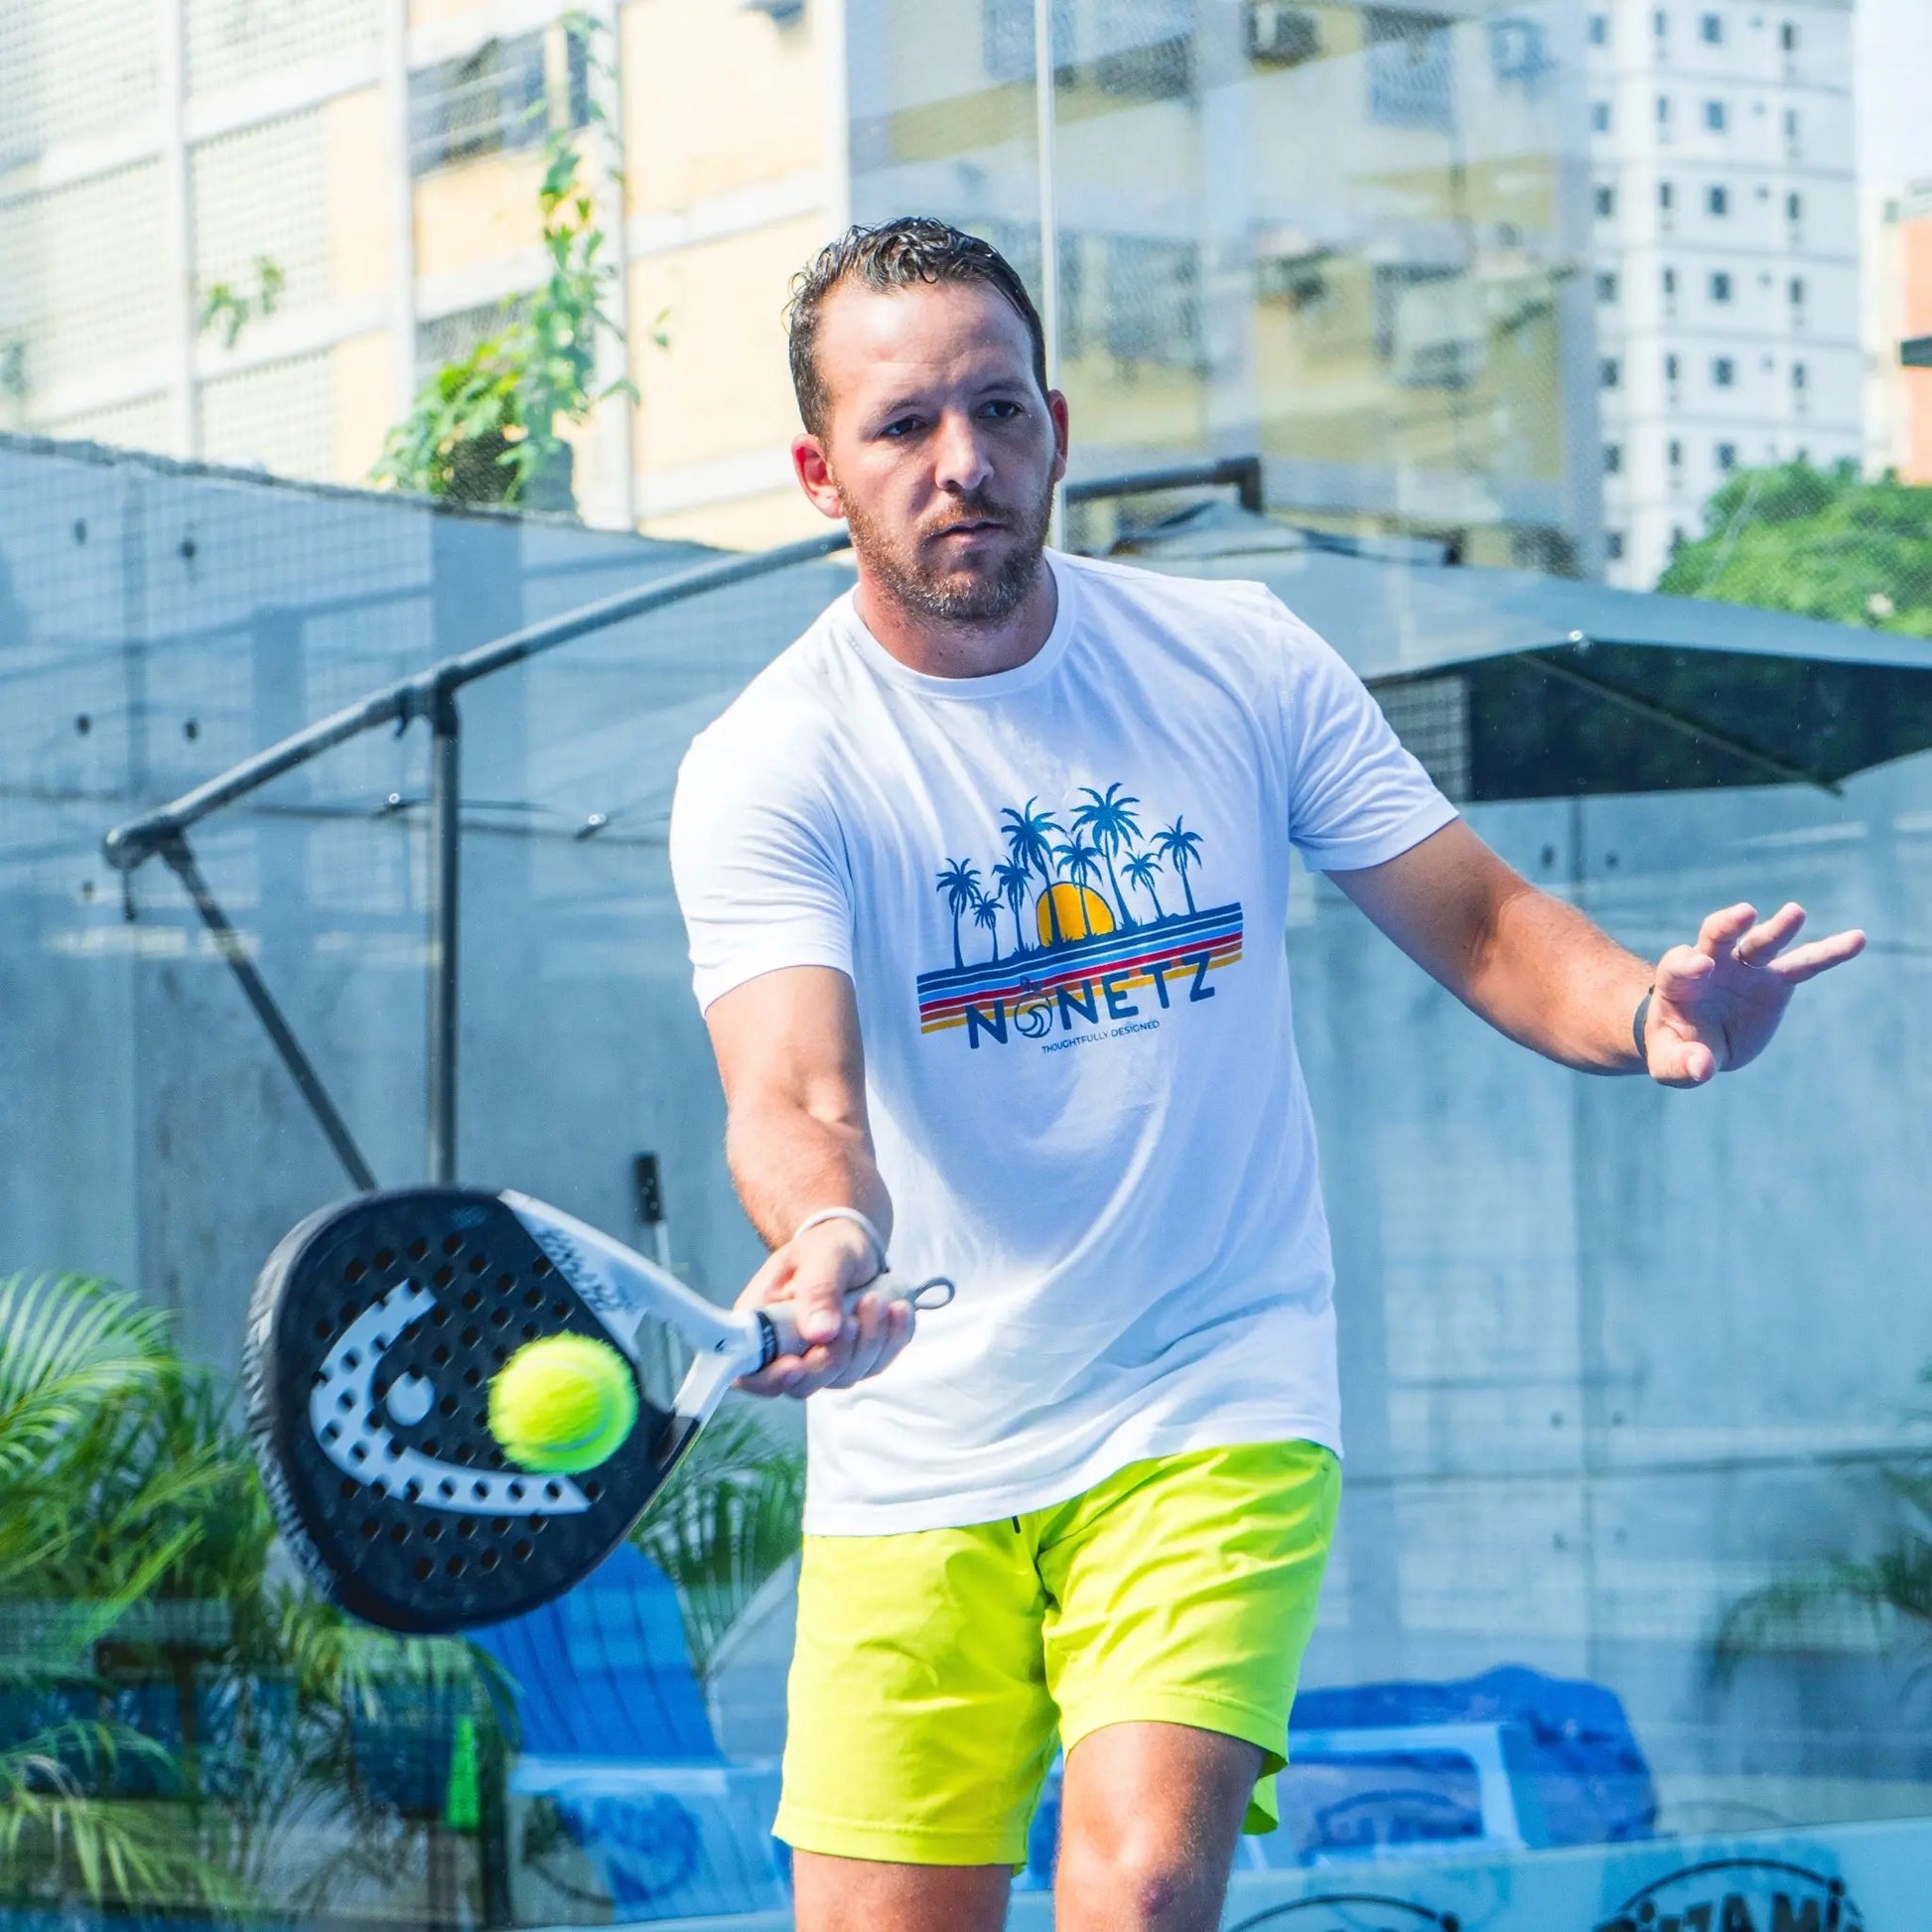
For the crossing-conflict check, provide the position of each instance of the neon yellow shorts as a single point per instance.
(937, 1670)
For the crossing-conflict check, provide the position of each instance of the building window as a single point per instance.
(1663, 111)
(1600, 30)
(1788, 38)
(494, 100)
(1411, 66)
(1600, 116)
(1278, 36)
(1726, 455)
(1672, 367)
(1149, 49)
(1660, 23)
(1794, 207)
(1723, 372)
(1796, 291)
(1716, 201)
(1721, 285)
(1609, 373)
(1666, 197)
(1791, 127)
(1613, 545)
(1714, 116)
(1152, 301)
(1607, 201)
(1670, 284)
(1674, 453)
(1710, 30)
(1606, 286)
(1612, 459)
(1800, 376)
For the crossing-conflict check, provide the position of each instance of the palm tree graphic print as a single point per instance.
(1093, 944)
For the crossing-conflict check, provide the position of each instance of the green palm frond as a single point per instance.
(726, 1522)
(69, 1346)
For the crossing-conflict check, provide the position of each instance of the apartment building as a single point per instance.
(1726, 229)
(1898, 310)
(1347, 237)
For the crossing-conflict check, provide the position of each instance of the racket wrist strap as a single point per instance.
(863, 1222)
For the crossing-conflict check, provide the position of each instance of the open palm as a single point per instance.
(1717, 1002)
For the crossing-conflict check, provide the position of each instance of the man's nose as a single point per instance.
(960, 463)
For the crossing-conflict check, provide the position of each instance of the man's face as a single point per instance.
(939, 451)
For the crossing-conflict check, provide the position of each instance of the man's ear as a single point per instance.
(814, 475)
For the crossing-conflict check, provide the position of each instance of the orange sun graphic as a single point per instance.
(1083, 913)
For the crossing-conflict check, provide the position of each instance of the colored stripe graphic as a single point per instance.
(1125, 958)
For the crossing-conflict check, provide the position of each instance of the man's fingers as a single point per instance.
(1722, 931)
(1681, 969)
(1766, 940)
(1807, 962)
(1679, 1062)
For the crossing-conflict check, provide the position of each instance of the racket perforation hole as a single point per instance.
(349, 1483)
(522, 1548)
(541, 1265)
(464, 1454)
(345, 1401)
(593, 1489)
(398, 1533)
(386, 1257)
(471, 1302)
(418, 1249)
(552, 1491)
(448, 1405)
(529, 1331)
(355, 1271)
(470, 1336)
(500, 1356)
(477, 1263)
(505, 1283)
(471, 1378)
(499, 1526)
(433, 1530)
(351, 1361)
(467, 1529)
(368, 1527)
(350, 1309)
(440, 1354)
(452, 1244)
(330, 1430)
(500, 1316)
(532, 1298)
(561, 1309)
(440, 1315)
(444, 1277)
(456, 1566)
(516, 1492)
(325, 1329)
(424, 1570)
(412, 1490)
(490, 1559)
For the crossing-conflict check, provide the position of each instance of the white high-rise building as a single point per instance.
(1727, 253)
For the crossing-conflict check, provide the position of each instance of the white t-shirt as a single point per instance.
(1087, 1106)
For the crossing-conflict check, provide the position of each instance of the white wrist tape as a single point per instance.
(863, 1222)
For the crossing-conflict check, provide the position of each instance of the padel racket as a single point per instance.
(375, 1329)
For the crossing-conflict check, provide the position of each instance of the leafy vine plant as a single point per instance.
(488, 427)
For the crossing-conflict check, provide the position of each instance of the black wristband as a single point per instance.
(1637, 1021)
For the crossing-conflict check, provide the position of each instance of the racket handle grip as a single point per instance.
(778, 1325)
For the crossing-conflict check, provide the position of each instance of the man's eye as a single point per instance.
(901, 427)
(1005, 407)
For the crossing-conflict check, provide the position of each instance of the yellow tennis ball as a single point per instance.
(563, 1404)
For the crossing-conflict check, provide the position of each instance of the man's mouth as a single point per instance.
(971, 526)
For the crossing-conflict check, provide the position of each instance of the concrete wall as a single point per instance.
(1611, 1355)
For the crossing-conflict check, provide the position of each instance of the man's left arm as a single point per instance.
(1539, 971)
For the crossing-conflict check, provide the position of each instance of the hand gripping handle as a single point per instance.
(778, 1328)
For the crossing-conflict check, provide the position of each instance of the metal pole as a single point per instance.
(444, 852)
(227, 942)
(1049, 224)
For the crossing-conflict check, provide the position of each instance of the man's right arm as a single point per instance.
(797, 1141)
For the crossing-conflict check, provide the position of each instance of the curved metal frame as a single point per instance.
(430, 694)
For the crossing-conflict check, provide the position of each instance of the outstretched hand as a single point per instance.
(846, 1340)
(1717, 1004)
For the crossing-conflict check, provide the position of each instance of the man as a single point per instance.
(985, 880)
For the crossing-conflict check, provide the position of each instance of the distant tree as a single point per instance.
(1821, 543)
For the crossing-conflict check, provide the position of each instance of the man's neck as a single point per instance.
(941, 647)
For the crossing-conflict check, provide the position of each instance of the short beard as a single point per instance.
(981, 600)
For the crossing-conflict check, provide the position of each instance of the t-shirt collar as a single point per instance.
(852, 630)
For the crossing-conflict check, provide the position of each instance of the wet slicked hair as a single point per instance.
(896, 254)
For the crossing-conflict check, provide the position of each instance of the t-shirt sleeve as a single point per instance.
(1356, 796)
(760, 877)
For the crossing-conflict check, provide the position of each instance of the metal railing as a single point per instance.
(429, 695)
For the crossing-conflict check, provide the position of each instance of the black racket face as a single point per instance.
(375, 1329)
